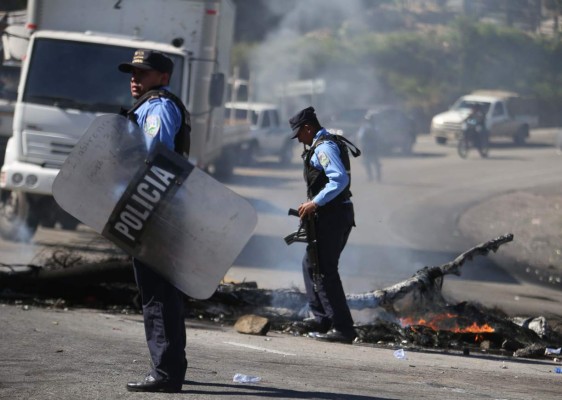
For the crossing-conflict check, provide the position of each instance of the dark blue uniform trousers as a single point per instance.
(164, 323)
(328, 303)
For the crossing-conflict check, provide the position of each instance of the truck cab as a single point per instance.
(508, 115)
(267, 135)
(9, 79)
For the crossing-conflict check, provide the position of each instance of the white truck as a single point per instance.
(508, 115)
(70, 76)
(9, 78)
(14, 46)
(268, 135)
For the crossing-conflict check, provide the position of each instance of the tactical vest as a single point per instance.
(182, 140)
(317, 179)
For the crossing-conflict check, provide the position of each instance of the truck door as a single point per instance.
(499, 120)
(273, 136)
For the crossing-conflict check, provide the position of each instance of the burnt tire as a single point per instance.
(18, 219)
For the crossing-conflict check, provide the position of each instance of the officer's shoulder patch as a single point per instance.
(152, 99)
(152, 125)
(323, 159)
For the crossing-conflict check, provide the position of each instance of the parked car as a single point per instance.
(396, 130)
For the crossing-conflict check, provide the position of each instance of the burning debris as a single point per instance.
(411, 314)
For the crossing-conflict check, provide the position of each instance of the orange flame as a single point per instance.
(474, 328)
(446, 322)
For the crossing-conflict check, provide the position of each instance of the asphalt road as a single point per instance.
(84, 354)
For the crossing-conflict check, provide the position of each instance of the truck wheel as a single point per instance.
(408, 145)
(68, 222)
(286, 154)
(18, 222)
(521, 135)
(440, 140)
(224, 166)
(248, 154)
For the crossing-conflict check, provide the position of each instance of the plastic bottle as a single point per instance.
(558, 370)
(400, 354)
(241, 378)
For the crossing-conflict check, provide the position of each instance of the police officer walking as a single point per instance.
(163, 118)
(328, 179)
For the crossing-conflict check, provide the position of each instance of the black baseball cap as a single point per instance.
(302, 117)
(149, 59)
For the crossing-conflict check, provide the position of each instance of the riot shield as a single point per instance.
(157, 207)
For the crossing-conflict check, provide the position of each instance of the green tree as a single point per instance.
(555, 9)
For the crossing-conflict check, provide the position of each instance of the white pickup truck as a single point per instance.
(268, 135)
(508, 115)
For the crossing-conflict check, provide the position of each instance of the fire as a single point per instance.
(474, 328)
(436, 322)
(446, 322)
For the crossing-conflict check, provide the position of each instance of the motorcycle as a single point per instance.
(473, 135)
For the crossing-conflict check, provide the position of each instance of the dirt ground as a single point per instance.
(535, 218)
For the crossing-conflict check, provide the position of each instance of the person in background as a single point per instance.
(476, 125)
(367, 135)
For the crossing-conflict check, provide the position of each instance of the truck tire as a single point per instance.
(286, 154)
(408, 145)
(68, 222)
(248, 154)
(18, 219)
(224, 166)
(521, 135)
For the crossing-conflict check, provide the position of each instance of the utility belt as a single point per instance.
(335, 206)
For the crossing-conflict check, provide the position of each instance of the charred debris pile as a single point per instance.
(411, 314)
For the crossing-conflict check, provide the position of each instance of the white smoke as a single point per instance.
(310, 22)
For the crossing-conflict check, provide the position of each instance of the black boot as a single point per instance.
(151, 384)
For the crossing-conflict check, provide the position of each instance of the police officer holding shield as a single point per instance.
(328, 178)
(163, 118)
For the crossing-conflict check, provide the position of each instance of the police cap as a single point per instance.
(302, 117)
(149, 59)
